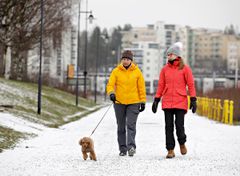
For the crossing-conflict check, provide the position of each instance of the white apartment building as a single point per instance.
(137, 34)
(233, 56)
(160, 33)
(184, 37)
(171, 36)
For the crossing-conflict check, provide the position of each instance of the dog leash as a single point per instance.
(103, 117)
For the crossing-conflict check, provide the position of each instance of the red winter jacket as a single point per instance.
(172, 86)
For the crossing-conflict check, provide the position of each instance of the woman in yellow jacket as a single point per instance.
(126, 87)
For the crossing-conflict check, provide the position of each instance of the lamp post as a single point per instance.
(106, 67)
(96, 62)
(96, 68)
(78, 51)
(40, 63)
(90, 18)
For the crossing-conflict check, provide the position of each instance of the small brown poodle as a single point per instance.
(87, 147)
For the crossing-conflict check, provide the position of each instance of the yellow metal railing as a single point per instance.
(213, 109)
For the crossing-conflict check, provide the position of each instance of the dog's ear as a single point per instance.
(80, 142)
(90, 144)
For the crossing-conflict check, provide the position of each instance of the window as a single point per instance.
(153, 45)
(135, 45)
(147, 83)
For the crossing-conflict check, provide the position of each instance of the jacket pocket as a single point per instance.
(182, 92)
(165, 91)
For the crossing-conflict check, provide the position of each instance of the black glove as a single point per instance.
(155, 104)
(141, 107)
(193, 104)
(113, 97)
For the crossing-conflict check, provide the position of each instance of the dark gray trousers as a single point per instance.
(126, 116)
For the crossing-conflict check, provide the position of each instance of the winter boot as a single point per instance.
(183, 149)
(122, 153)
(131, 151)
(170, 154)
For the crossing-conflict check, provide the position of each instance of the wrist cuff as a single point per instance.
(193, 98)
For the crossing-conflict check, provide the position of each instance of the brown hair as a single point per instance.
(181, 64)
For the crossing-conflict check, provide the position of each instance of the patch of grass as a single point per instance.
(9, 137)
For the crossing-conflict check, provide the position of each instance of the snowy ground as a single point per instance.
(213, 149)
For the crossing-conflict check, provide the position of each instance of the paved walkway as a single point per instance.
(213, 149)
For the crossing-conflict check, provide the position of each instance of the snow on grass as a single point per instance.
(55, 104)
(213, 149)
(9, 90)
(19, 124)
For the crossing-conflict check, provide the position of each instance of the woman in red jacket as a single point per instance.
(175, 78)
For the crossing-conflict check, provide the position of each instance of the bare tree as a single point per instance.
(20, 28)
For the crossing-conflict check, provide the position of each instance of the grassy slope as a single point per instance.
(56, 105)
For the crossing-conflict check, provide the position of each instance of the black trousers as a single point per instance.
(169, 127)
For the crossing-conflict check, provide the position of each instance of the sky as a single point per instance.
(215, 14)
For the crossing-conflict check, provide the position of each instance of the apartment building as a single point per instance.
(185, 36)
(233, 56)
(137, 34)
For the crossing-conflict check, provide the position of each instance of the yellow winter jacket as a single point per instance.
(128, 85)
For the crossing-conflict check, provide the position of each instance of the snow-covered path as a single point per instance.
(213, 149)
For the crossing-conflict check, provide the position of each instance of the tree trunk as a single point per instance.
(2, 62)
(7, 59)
(19, 65)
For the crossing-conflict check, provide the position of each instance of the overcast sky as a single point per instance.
(196, 13)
